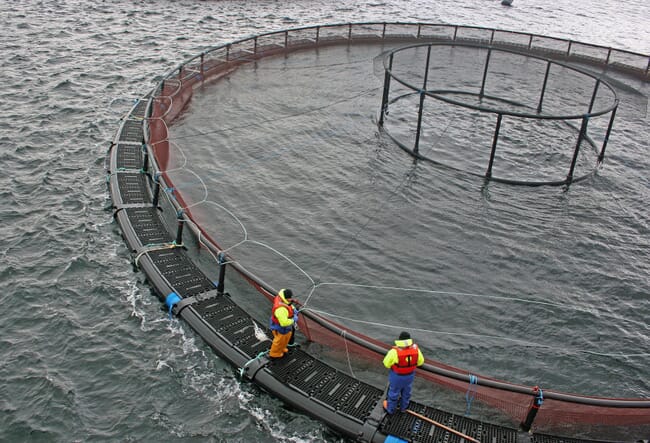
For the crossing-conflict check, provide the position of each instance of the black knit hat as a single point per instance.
(288, 294)
(404, 336)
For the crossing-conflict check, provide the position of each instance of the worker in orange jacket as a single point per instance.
(283, 319)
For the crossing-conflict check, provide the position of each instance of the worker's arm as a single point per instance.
(282, 314)
(390, 359)
(420, 357)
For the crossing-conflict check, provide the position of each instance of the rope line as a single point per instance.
(496, 337)
(347, 352)
(275, 119)
(155, 247)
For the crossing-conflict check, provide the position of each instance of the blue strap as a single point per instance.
(471, 392)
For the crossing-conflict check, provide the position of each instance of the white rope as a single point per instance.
(460, 334)
(347, 352)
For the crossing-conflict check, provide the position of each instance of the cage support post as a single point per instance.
(423, 93)
(495, 139)
(541, 96)
(601, 156)
(485, 72)
(384, 99)
(581, 136)
(593, 96)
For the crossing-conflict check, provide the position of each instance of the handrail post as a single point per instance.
(495, 139)
(145, 158)
(202, 64)
(416, 147)
(533, 409)
(179, 230)
(221, 259)
(156, 189)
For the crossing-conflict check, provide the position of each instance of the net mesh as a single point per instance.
(558, 412)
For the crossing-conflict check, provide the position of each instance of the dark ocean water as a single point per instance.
(87, 354)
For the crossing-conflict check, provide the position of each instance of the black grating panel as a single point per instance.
(233, 323)
(289, 367)
(148, 226)
(181, 273)
(133, 188)
(132, 131)
(138, 110)
(359, 401)
(129, 156)
(249, 344)
(324, 383)
(415, 429)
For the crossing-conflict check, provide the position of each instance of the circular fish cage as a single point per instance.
(151, 170)
(505, 115)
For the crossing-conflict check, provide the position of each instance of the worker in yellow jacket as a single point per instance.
(402, 359)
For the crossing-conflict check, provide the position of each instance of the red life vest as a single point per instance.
(407, 359)
(277, 302)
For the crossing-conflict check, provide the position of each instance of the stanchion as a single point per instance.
(534, 407)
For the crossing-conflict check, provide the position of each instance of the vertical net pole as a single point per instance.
(497, 128)
(593, 96)
(581, 135)
(384, 99)
(541, 96)
(416, 147)
(601, 156)
(485, 72)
